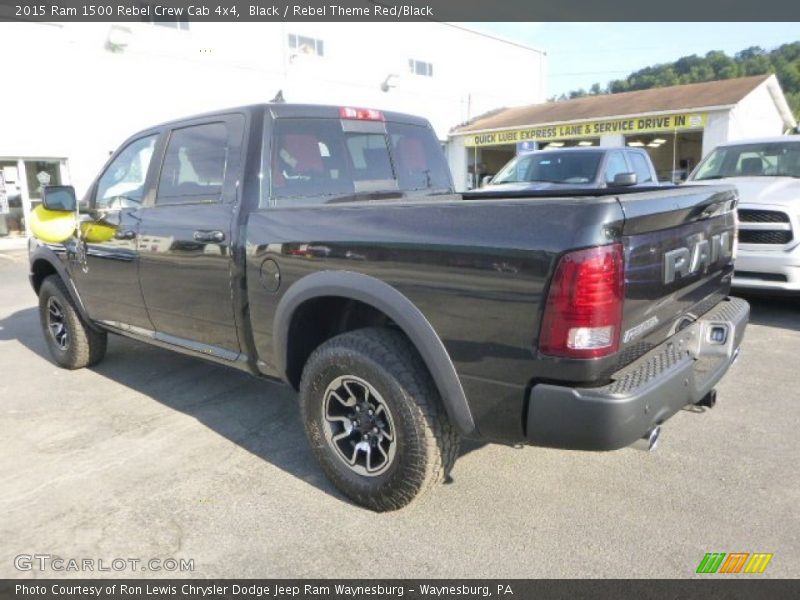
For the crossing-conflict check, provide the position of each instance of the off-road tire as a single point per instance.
(84, 346)
(427, 443)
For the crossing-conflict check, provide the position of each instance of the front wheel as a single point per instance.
(73, 344)
(374, 418)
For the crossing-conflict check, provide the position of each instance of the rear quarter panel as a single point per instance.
(476, 269)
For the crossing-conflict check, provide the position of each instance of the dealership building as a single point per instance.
(676, 125)
(87, 86)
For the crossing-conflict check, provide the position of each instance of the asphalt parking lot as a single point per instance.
(154, 455)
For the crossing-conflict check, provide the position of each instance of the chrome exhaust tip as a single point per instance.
(649, 441)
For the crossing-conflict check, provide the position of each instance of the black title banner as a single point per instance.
(401, 10)
(390, 589)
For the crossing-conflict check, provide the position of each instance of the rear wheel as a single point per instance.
(73, 344)
(374, 418)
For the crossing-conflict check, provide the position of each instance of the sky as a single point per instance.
(580, 54)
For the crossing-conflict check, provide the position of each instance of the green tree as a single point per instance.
(784, 61)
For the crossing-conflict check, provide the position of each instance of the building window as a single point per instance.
(419, 67)
(306, 45)
(181, 23)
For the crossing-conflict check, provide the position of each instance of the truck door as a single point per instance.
(105, 265)
(184, 237)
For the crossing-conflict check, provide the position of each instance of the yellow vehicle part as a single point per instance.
(56, 227)
(97, 233)
(52, 226)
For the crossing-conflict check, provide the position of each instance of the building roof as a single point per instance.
(676, 98)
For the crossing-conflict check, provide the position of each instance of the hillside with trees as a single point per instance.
(784, 61)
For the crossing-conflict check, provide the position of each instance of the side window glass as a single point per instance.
(615, 165)
(640, 167)
(122, 183)
(194, 165)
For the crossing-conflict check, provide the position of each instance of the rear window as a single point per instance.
(314, 161)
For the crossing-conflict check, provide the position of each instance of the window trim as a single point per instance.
(412, 65)
(239, 128)
(168, 138)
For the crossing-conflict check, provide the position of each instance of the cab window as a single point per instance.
(319, 160)
(418, 158)
(313, 159)
(370, 157)
(615, 165)
(122, 183)
(194, 165)
(640, 167)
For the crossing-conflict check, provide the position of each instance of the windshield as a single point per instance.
(552, 167)
(772, 159)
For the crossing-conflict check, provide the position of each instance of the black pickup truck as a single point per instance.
(325, 247)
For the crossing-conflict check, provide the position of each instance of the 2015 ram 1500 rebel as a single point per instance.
(325, 247)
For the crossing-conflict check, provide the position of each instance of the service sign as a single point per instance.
(589, 129)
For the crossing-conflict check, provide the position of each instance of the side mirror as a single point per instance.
(624, 179)
(487, 179)
(60, 198)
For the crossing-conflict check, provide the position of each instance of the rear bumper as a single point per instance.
(679, 372)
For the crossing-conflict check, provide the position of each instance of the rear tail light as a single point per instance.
(583, 313)
(361, 114)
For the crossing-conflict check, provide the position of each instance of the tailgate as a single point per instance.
(678, 261)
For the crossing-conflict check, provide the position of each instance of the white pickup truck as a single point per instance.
(767, 175)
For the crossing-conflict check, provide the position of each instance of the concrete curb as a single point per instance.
(13, 243)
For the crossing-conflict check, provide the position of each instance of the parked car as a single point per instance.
(325, 247)
(766, 173)
(575, 168)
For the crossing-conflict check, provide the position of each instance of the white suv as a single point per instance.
(767, 175)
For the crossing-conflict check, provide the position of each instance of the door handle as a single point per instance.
(209, 236)
(125, 234)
